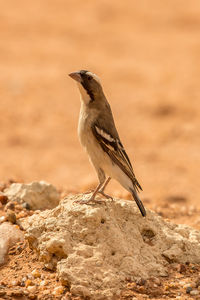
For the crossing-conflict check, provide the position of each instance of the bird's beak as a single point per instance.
(76, 76)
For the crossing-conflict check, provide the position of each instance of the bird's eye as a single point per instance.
(89, 77)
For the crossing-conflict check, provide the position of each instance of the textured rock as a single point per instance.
(39, 195)
(3, 198)
(96, 247)
(9, 235)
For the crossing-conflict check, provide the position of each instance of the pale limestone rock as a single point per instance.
(39, 195)
(96, 247)
(9, 236)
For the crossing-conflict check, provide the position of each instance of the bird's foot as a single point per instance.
(105, 195)
(90, 200)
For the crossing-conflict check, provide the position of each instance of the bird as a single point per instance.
(98, 135)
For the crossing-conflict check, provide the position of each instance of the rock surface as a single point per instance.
(9, 235)
(95, 248)
(39, 195)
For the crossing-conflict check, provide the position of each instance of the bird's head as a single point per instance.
(89, 85)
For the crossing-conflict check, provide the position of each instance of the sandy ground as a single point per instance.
(147, 56)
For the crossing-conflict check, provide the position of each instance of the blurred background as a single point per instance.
(147, 55)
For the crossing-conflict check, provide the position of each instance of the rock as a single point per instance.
(10, 216)
(15, 282)
(28, 282)
(2, 186)
(36, 273)
(15, 293)
(39, 195)
(96, 247)
(10, 205)
(32, 288)
(26, 206)
(58, 290)
(2, 292)
(188, 289)
(9, 236)
(194, 293)
(3, 219)
(3, 198)
(182, 268)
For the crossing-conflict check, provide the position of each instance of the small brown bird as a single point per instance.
(99, 136)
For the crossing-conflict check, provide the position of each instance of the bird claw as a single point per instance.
(88, 201)
(105, 195)
(92, 198)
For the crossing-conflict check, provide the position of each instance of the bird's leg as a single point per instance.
(102, 179)
(96, 191)
(101, 190)
(92, 198)
(105, 184)
(102, 183)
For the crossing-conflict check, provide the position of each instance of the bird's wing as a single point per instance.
(114, 148)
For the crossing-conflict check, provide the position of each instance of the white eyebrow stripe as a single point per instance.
(94, 76)
(105, 135)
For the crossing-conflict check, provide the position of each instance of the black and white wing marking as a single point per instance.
(114, 148)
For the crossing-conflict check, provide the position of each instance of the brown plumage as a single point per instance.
(99, 136)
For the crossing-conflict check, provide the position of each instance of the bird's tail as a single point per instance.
(138, 202)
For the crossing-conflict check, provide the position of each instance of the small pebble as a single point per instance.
(141, 281)
(182, 268)
(21, 214)
(3, 219)
(26, 205)
(26, 292)
(32, 296)
(131, 285)
(31, 288)
(3, 198)
(28, 282)
(43, 282)
(190, 284)
(42, 276)
(24, 278)
(10, 205)
(19, 249)
(194, 293)
(18, 207)
(173, 284)
(30, 276)
(14, 282)
(2, 186)
(58, 290)
(46, 292)
(186, 285)
(11, 217)
(36, 273)
(188, 289)
(156, 280)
